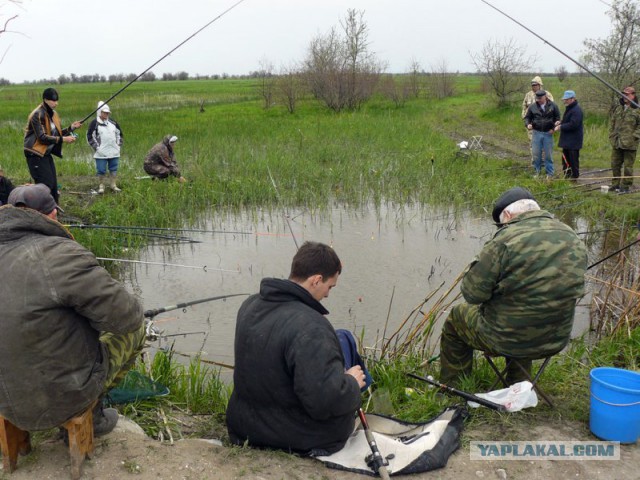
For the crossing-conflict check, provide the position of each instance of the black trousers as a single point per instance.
(571, 163)
(43, 170)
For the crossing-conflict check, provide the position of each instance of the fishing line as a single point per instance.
(584, 67)
(163, 57)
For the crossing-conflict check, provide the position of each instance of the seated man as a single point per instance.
(161, 162)
(69, 331)
(521, 290)
(291, 388)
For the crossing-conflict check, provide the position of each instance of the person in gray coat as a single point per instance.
(70, 332)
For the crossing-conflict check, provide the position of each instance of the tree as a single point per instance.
(441, 81)
(266, 82)
(4, 26)
(415, 75)
(617, 57)
(341, 70)
(561, 73)
(502, 63)
(290, 87)
(396, 90)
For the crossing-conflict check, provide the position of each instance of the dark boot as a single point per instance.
(104, 419)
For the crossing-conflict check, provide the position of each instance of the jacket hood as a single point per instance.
(16, 223)
(278, 290)
(538, 80)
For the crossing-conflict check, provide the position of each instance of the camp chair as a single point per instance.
(502, 374)
(476, 143)
(14, 441)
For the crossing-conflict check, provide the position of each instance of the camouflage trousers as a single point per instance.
(461, 335)
(619, 159)
(122, 351)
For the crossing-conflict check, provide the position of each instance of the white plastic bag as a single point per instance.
(518, 396)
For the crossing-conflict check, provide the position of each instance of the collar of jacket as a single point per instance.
(523, 217)
(280, 290)
(17, 222)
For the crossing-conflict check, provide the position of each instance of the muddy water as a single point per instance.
(393, 257)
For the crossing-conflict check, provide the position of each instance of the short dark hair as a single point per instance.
(314, 258)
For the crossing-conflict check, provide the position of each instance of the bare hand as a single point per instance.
(529, 127)
(76, 125)
(357, 373)
(69, 139)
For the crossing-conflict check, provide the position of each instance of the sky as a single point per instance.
(52, 37)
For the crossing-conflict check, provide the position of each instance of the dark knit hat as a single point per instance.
(50, 94)
(37, 197)
(507, 198)
(541, 93)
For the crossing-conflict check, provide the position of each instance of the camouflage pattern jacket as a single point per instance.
(526, 281)
(624, 130)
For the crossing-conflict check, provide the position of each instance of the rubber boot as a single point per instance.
(113, 183)
(101, 187)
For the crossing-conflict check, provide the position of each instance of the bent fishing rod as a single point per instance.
(163, 229)
(454, 391)
(613, 254)
(164, 264)
(156, 311)
(582, 66)
(163, 57)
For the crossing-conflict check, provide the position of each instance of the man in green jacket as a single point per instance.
(521, 290)
(624, 135)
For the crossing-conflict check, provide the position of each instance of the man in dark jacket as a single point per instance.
(44, 137)
(291, 388)
(542, 117)
(69, 331)
(521, 290)
(571, 135)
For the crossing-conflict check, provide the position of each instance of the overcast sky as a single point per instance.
(127, 36)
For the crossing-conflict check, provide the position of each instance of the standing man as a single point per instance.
(291, 388)
(624, 135)
(571, 135)
(529, 99)
(541, 119)
(105, 137)
(521, 290)
(43, 137)
(161, 161)
(70, 332)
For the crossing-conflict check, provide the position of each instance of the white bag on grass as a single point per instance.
(518, 396)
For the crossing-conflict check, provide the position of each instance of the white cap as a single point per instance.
(173, 139)
(103, 107)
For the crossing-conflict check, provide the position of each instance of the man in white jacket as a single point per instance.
(105, 137)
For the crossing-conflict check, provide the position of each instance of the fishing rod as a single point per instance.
(582, 66)
(454, 391)
(613, 254)
(379, 462)
(162, 58)
(160, 236)
(164, 264)
(156, 311)
(164, 229)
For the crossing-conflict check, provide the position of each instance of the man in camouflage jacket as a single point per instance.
(521, 290)
(624, 135)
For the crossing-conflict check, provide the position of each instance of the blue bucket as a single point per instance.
(615, 404)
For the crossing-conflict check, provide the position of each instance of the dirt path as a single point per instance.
(126, 453)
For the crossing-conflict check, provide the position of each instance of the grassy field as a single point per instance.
(236, 154)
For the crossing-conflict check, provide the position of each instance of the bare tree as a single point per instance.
(617, 57)
(415, 75)
(502, 64)
(441, 81)
(562, 73)
(341, 70)
(290, 87)
(4, 26)
(266, 82)
(396, 89)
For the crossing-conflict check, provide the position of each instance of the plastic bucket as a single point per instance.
(615, 404)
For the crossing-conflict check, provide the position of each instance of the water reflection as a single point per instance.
(393, 257)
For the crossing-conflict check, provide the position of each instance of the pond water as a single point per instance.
(393, 257)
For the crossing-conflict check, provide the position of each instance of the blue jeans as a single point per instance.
(542, 142)
(101, 165)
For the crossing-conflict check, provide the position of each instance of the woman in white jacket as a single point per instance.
(105, 137)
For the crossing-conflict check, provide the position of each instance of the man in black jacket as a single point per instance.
(571, 135)
(542, 118)
(291, 388)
